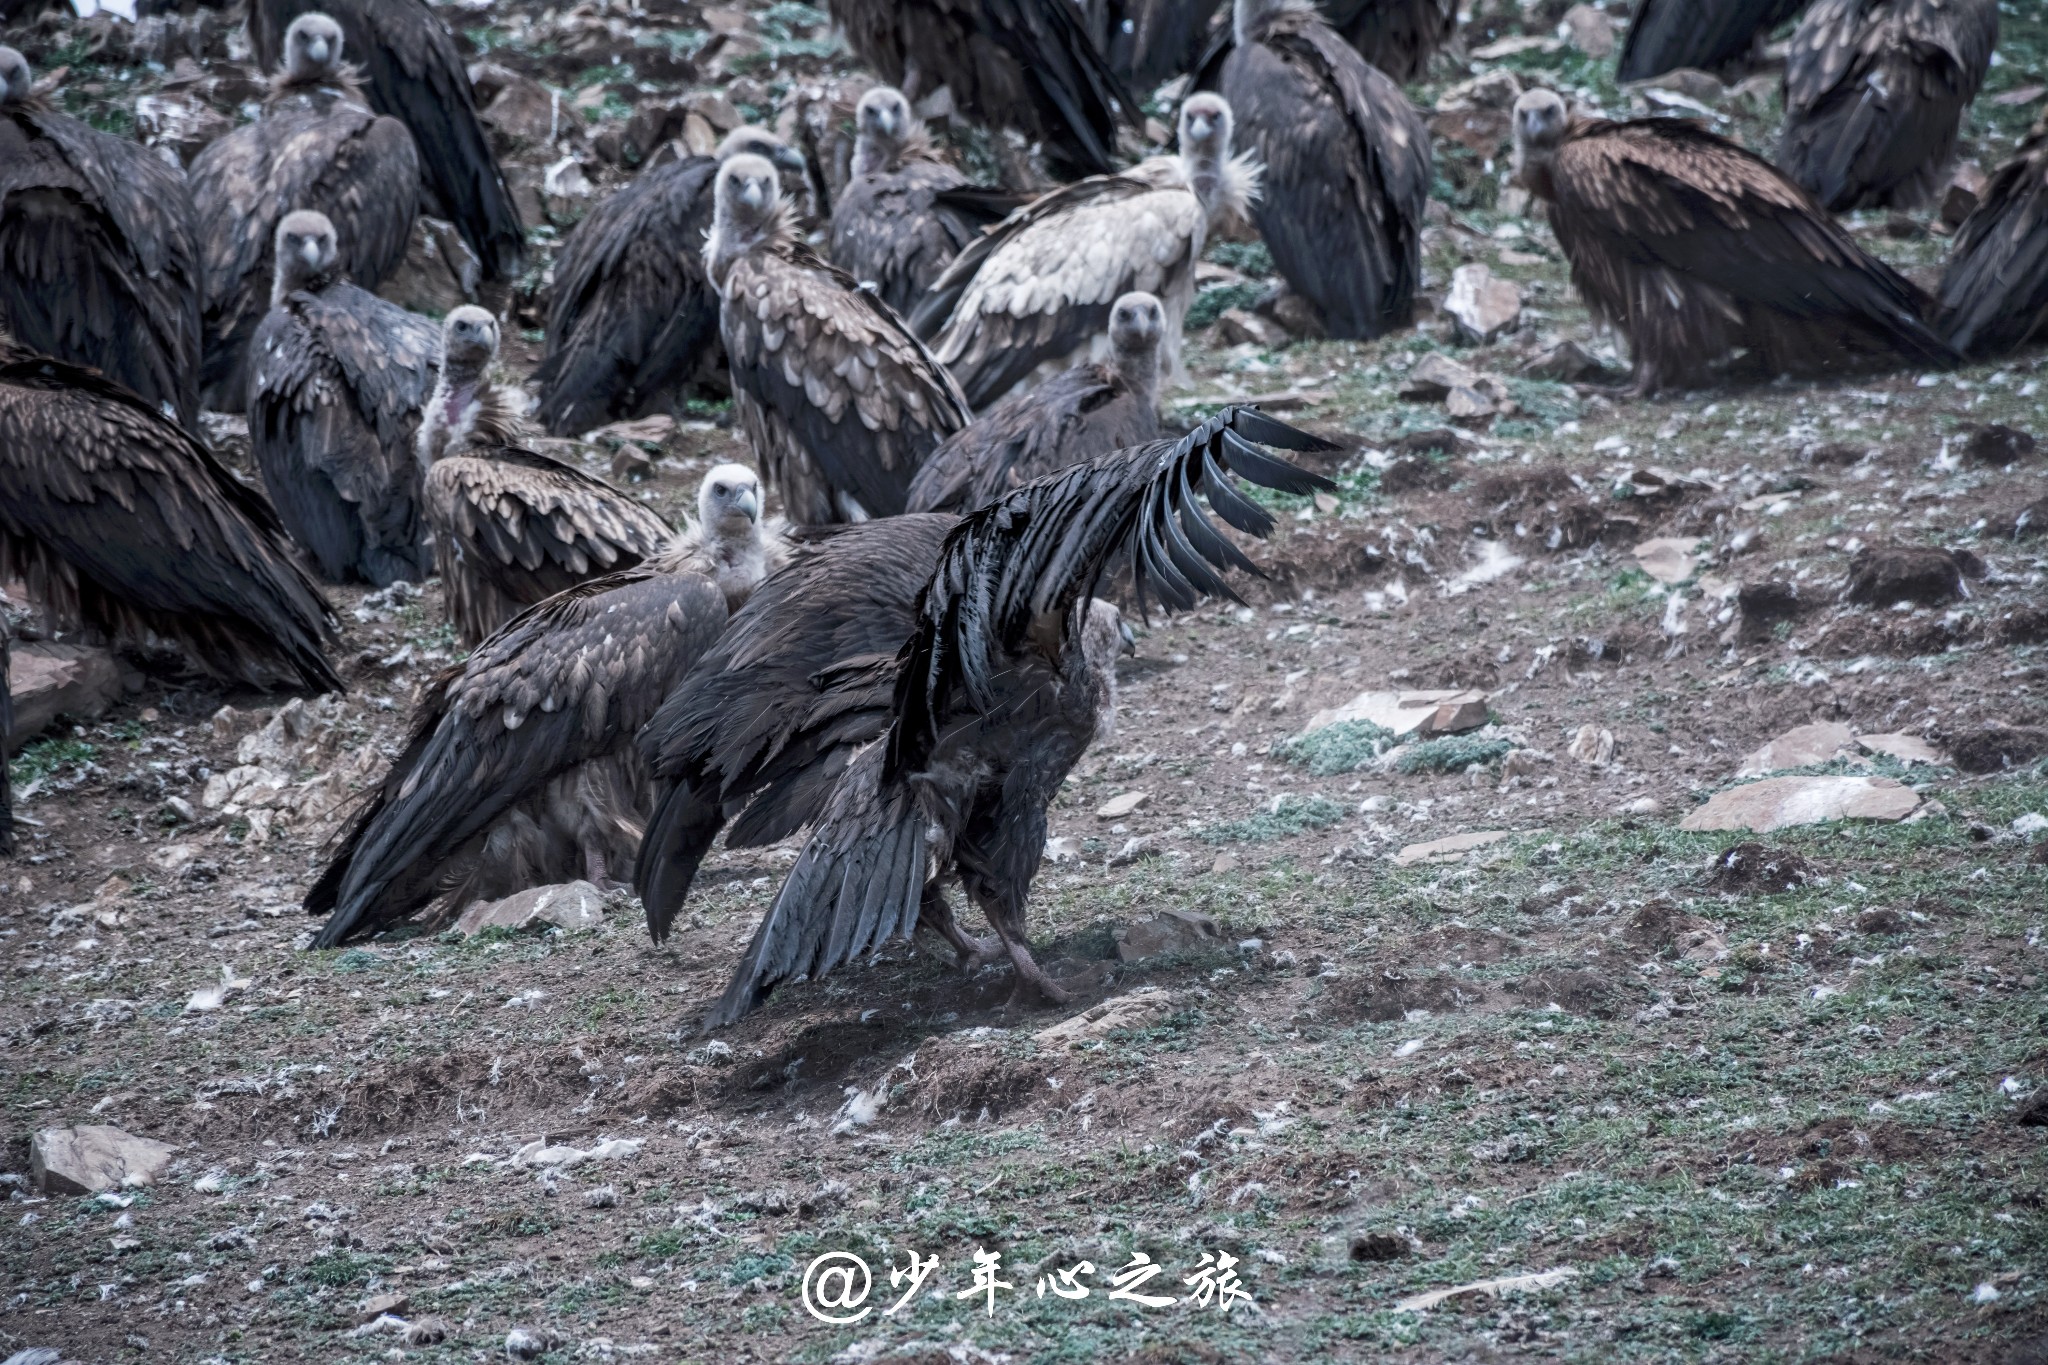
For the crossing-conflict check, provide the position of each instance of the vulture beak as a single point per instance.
(1130, 638)
(309, 252)
(753, 194)
(1199, 127)
(790, 159)
(316, 48)
(750, 502)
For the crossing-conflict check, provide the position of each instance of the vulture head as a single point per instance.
(1104, 636)
(1137, 328)
(1249, 14)
(747, 208)
(884, 126)
(1541, 121)
(754, 140)
(306, 251)
(1226, 185)
(469, 341)
(729, 503)
(312, 49)
(16, 80)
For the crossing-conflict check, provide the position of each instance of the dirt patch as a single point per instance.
(1575, 989)
(1909, 636)
(1885, 574)
(1418, 474)
(2022, 626)
(1996, 444)
(1765, 604)
(1661, 927)
(969, 1079)
(1753, 869)
(1547, 898)
(1391, 995)
(1995, 748)
(1459, 944)
(2028, 523)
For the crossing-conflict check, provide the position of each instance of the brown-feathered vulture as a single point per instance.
(1347, 166)
(336, 380)
(98, 263)
(1874, 93)
(1076, 414)
(838, 397)
(1665, 35)
(633, 319)
(118, 519)
(521, 769)
(1695, 249)
(317, 147)
(1038, 286)
(893, 226)
(511, 526)
(915, 690)
(1397, 37)
(415, 74)
(1022, 64)
(1994, 290)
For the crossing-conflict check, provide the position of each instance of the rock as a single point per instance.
(1119, 806)
(1482, 131)
(1237, 327)
(1668, 559)
(209, 998)
(1690, 82)
(91, 1158)
(1519, 763)
(1494, 90)
(524, 114)
(1763, 605)
(1592, 746)
(1455, 717)
(1435, 375)
(2033, 1110)
(1588, 30)
(1468, 404)
(178, 122)
(1962, 194)
(1225, 864)
(649, 433)
(1565, 363)
(525, 1344)
(1995, 748)
(48, 680)
(1907, 749)
(1882, 576)
(395, 1303)
(440, 271)
(572, 905)
(1447, 850)
(1290, 311)
(1170, 931)
(1805, 746)
(1483, 305)
(247, 787)
(1642, 805)
(1140, 1009)
(1783, 802)
(1998, 445)
(1404, 713)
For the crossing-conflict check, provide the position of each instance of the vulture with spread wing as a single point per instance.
(1022, 64)
(511, 526)
(1994, 291)
(1038, 287)
(98, 262)
(521, 769)
(1874, 93)
(633, 319)
(317, 147)
(915, 691)
(1696, 250)
(336, 380)
(1347, 166)
(1076, 415)
(117, 518)
(415, 73)
(839, 399)
(1708, 35)
(897, 225)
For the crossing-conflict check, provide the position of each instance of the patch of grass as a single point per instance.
(761, 1266)
(1452, 754)
(1212, 304)
(340, 1269)
(357, 960)
(47, 756)
(1344, 747)
(1247, 258)
(1282, 818)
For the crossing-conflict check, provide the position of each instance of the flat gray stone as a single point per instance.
(572, 905)
(1782, 802)
(1170, 931)
(48, 679)
(1483, 304)
(94, 1157)
(1449, 849)
(1905, 748)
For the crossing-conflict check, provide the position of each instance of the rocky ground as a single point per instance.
(1693, 1093)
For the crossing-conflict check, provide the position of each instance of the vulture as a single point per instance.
(98, 260)
(520, 769)
(1039, 285)
(6, 736)
(838, 397)
(415, 73)
(1347, 166)
(117, 518)
(1022, 64)
(894, 226)
(511, 526)
(915, 690)
(318, 147)
(1149, 42)
(336, 380)
(1697, 249)
(1874, 93)
(1398, 37)
(633, 318)
(1708, 35)
(1076, 414)
(1994, 291)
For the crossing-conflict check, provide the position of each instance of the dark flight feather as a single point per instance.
(1706, 35)
(1994, 290)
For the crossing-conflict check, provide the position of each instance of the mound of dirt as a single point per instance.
(1765, 604)
(1661, 927)
(1391, 995)
(2027, 523)
(1753, 869)
(1998, 445)
(2022, 626)
(1575, 989)
(1994, 748)
(1886, 574)
(1418, 474)
(969, 1078)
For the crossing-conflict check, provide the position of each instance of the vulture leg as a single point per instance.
(1029, 972)
(593, 866)
(935, 912)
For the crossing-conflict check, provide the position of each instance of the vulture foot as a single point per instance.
(936, 914)
(1029, 972)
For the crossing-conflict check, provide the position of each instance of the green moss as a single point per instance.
(1452, 754)
(1212, 304)
(1283, 818)
(1344, 747)
(47, 756)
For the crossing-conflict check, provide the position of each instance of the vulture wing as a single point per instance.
(110, 511)
(1397, 36)
(1077, 414)
(1994, 292)
(1347, 173)
(1004, 573)
(632, 312)
(98, 262)
(416, 75)
(514, 527)
(358, 168)
(1665, 35)
(890, 230)
(1151, 41)
(569, 681)
(837, 394)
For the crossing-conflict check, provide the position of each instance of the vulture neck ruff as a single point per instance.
(728, 241)
(875, 156)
